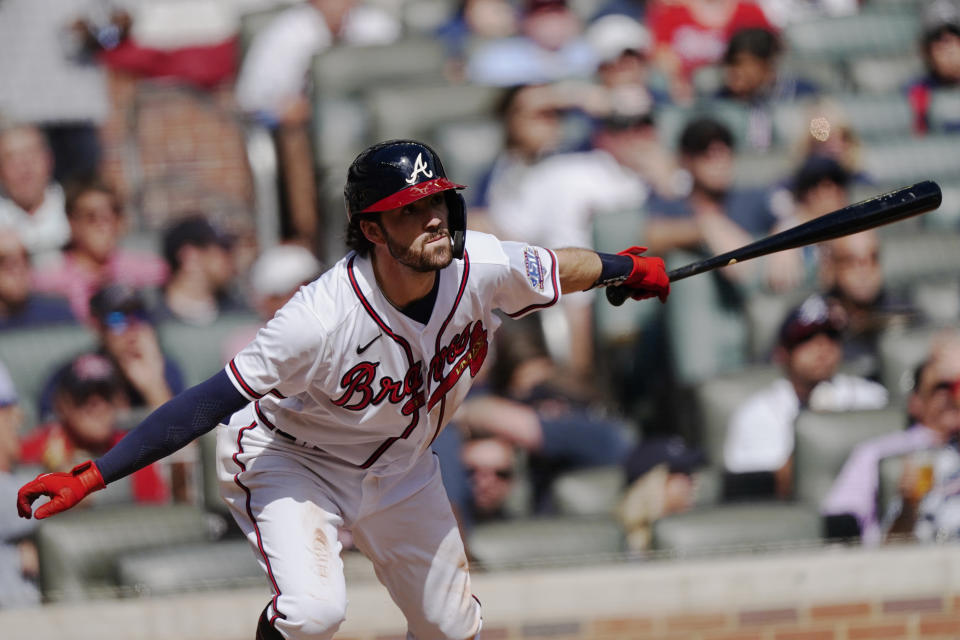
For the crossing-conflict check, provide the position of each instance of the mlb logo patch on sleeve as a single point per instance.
(534, 266)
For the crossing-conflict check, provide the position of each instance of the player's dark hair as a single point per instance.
(702, 132)
(355, 239)
(756, 41)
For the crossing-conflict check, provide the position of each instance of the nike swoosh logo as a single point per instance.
(367, 346)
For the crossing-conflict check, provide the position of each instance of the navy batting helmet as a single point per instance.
(395, 173)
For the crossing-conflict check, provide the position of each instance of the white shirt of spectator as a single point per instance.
(275, 68)
(43, 232)
(557, 200)
(341, 369)
(760, 436)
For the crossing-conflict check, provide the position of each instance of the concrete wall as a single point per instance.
(826, 594)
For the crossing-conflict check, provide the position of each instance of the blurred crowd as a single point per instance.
(607, 108)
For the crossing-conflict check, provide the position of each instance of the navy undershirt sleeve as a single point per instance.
(615, 268)
(173, 426)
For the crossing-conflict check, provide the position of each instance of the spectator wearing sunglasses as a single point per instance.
(758, 451)
(490, 463)
(129, 340)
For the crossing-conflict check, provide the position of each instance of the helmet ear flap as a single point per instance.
(457, 217)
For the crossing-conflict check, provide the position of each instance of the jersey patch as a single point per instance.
(534, 267)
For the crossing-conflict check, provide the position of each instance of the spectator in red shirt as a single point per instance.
(87, 406)
(93, 258)
(689, 34)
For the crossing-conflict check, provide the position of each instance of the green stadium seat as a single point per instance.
(886, 74)
(748, 527)
(545, 540)
(911, 258)
(759, 169)
(414, 111)
(906, 161)
(765, 313)
(188, 567)
(198, 350)
(79, 550)
(589, 492)
(32, 355)
(844, 38)
(877, 116)
(901, 351)
(945, 110)
(468, 148)
(824, 441)
(716, 400)
(348, 70)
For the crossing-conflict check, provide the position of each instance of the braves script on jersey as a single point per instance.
(343, 370)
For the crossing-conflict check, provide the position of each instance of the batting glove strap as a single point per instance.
(648, 277)
(64, 489)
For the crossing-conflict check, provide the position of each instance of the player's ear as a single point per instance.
(372, 231)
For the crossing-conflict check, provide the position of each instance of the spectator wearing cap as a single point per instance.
(31, 201)
(20, 305)
(129, 340)
(89, 398)
(550, 47)
(201, 272)
(661, 481)
(759, 441)
(820, 186)
(19, 562)
(93, 257)
(940, 47)
(277, 274)
(933, 419)
(714, 216)
(623, 50)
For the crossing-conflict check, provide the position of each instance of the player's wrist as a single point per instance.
(88, 473)
(614, 269)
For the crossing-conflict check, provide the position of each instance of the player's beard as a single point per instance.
(424, 257)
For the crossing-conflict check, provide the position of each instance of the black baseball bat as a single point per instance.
(883, 209)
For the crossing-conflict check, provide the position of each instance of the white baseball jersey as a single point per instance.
(341, 369)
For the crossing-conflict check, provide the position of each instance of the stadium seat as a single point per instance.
(901, 351)
(348, 70)
(79, 550)
(189, 567)
(589, 492)
(824, 441)
(198, 350)
(716, 400)
(707, 331)
(468, 148)
(545, 540)
(877, 116)
(32, 355)
(945, 110)
(414, 111)
(736, 527)
(760, 169)
(838, 39)
(910, 258)
(886, 74)
(905, 161)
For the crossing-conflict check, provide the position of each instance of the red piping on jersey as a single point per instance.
(407, 351)
(556, 290)
(443, 327)
(256, 528)
(243, 383)
(248, 388)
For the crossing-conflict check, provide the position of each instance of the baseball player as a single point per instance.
(329, 413)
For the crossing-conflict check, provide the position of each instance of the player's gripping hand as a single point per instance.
(65, 490)
(649, 276)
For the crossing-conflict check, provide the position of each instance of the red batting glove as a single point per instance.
(649, 276)
(65, 490)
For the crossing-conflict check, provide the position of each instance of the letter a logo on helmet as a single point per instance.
(392, 174)
(419, 167)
